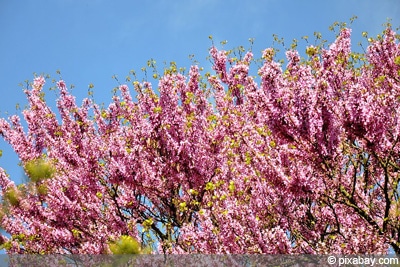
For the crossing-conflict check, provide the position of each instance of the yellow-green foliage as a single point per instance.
(42, 189)
(12, 196)
(39, 169)
(125, 245)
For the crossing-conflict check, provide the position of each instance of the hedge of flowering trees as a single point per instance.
(303, 158)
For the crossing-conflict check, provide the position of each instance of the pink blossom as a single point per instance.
(303, 160)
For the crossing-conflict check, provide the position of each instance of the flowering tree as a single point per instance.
(306, 160)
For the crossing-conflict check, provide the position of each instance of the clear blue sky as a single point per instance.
(91, 40)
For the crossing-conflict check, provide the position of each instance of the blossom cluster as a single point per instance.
(304, 161)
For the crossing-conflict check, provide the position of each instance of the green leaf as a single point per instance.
(231, 186)
(397, 60)
(12, 196)
(39, 169)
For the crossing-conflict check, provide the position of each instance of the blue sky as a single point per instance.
(89, 41)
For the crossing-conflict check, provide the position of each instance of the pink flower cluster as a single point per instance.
(306, 161)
